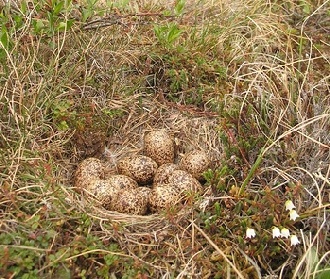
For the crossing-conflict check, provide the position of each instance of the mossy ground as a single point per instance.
(247, 81)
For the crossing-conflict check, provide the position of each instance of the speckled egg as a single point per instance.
(103, 190)
(159, 145)
(185, 182)
(146, 192)
(195, 162)
(121, 181)
(164, 196)
(88, 169)
(164, 172)
(132, 201)
(141, 168)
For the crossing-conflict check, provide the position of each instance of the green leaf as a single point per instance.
(217, 208)
(34, 221)
(86, 14)
(24, 7)
(3, 55)
(110, 259)
(325, 274)
(4, 38)
(312, 258)
(63, 272)
(58, 8)
(306, 7)
(173, 34)
(63, 126)
(5, 239)
(61, 26)
(51, 20)
(167, 34)
(121, 4)
(38, 26)
(178, 9)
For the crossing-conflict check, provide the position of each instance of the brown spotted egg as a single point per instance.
(121, 181)
(146, 193)
(164, 172)
(164, 196)
(132, 201)
(184, 182)
(140, 168)
(105, 189)
(102, 189)
(88, 169)
(195, 162)
(159, 145)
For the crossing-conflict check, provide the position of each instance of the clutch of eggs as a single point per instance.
(124, 192)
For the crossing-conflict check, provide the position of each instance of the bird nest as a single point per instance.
(171, 241)
(191, 127)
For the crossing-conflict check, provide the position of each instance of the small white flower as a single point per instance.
(250, 233)
(294, 240)
(293, 215)
(285, 233)
(289, 205)
(276, 232)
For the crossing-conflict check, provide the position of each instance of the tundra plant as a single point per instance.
(283, 232)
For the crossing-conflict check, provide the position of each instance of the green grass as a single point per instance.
(75, 76)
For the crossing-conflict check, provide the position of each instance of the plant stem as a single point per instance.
(252, 171)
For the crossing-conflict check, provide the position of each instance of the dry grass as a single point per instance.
(247, 81)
